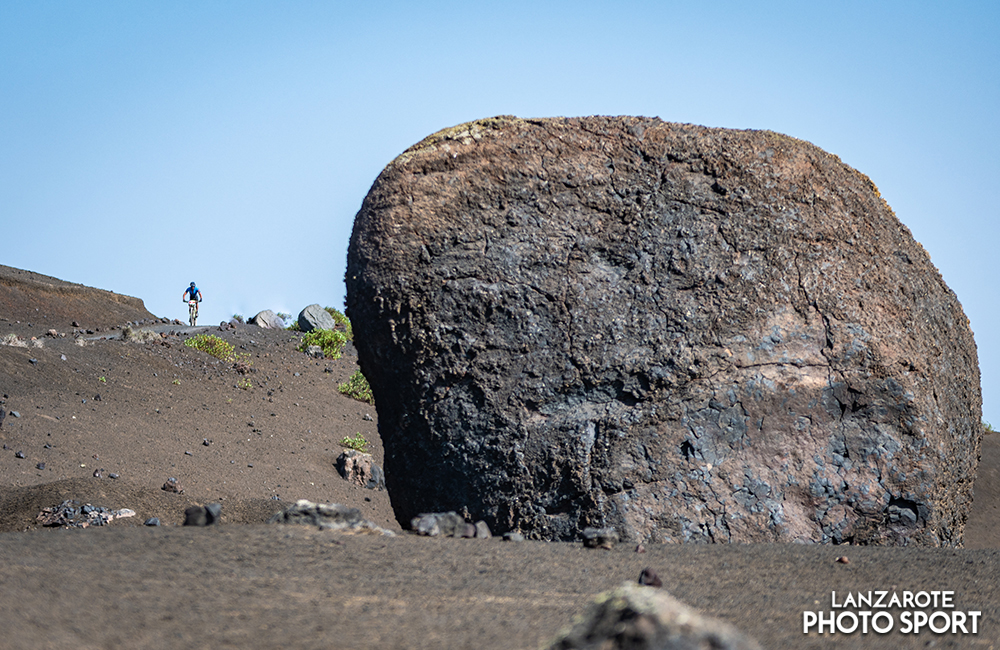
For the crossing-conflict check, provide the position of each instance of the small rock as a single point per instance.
(213, 512)
(18, 454)
(604, 538)
(513, 536)
(75, 324)
(483, 530)
(649, 578)
(152, 521)
(188, 453)
(40, 466)
(98, 473)
(468, 531)
(172, 486)
(206, 442)
(843, 560)
(196, 516)
(434, 524)
(53, 333)
(640, 549)
(33, 361)
(15, 414)
(112, 475)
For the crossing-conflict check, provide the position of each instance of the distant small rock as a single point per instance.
(172, 485)
(360, 468)
(483, 530)
(152, 521)
(315, 317)
(328, 516)
(513, 536)
(267, 319)
(649, 578)
(439, 524)
(604, 538)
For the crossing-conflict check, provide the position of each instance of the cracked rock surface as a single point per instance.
(687, 334)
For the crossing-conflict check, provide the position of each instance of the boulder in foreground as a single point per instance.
(686, 334)
(640, 618)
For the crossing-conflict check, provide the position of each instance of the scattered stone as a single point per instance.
(604, 538)
(640, 549)
(18, 454)
(75, 324)
(638, 617)
(649, 578)
(314, 351)
(315, 317)
(188, 453)
(152, 521)
(513, 536)
(172, 486)
(483, 530)
(113, 476)
(435, 524)
(71, 514)
(196, 516)
(33, 362)
(99, 473)
(15, 414)
(843, 559)
(206, 442)
(659, 311)
(328, 516)
(360, 468)
(53, 333)
(267, 319)
(40, 466)
(468, 531)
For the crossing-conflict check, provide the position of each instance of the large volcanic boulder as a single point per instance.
(688, 334)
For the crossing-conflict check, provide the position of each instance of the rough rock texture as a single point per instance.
(315, 317)
(360, 468)
(638, 618)
(687, 334)
(268, 320)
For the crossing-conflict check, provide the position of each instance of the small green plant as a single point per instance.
(102, 379)
(331, 341)
(357, 443)
(176, 382)
(244, 383)
(358, 388)
(988, 428)
(294, 326)
(213, 345)
(340, 319)
(238, 318)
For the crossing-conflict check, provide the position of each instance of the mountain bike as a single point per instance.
(193, 312)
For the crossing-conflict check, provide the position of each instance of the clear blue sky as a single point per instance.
(144, 145)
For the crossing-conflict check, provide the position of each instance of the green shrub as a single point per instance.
(340, 319)
(331, 341)
(238, 318)
(358, 388)
(357, 443)
(213, 345)
(987, 427)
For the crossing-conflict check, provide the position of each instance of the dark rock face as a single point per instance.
(687, 334)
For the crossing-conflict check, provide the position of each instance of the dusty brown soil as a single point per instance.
(247, 584)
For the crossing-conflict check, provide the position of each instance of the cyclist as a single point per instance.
(192, 296)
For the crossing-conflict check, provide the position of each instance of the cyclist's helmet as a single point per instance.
(193, 284)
